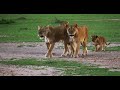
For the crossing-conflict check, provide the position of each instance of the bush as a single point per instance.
(6, 21)
(21, 18)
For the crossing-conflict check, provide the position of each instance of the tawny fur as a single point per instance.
(99, 43)
(53, 35)
(77, 35)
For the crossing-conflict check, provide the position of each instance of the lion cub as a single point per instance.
(99, 42)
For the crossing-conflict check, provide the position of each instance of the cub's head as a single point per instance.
(43, 31)
(94, 37)
(72, 31)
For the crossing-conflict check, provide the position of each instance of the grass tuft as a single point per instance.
(70, 68)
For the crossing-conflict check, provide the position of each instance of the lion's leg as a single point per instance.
(97, 48)
(100, 47)
(85, 48)
(65, 49)
(76, 49)
(49, 53)
(73, 48)
(104, 46)
(48, 45)
(85, 51)
(69, 52)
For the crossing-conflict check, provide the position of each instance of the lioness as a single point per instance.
(77, 35)
(99, 43)
(53, 35)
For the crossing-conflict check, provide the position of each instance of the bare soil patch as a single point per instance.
(10, 51)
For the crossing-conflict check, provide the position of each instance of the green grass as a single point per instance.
(25, 27)
(116, 48)
(70, 68)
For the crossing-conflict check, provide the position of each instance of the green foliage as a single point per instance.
(117, 48)
(6, 21)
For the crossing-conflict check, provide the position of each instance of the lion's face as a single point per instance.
(94, 37)
(42, 31)
(72, 30)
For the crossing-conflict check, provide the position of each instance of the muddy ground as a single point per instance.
(10, 51)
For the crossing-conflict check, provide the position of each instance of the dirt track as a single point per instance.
(108, 59)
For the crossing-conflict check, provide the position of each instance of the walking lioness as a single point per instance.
(77, 35)
(53, 34)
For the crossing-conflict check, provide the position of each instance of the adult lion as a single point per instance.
(77, 35)
(52, 35)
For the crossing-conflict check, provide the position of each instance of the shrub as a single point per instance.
(6, 21)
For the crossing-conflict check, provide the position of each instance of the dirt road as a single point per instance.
(9, 51)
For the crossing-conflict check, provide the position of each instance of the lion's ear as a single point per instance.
(76, 25)
(96, 36)
(66, 26)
